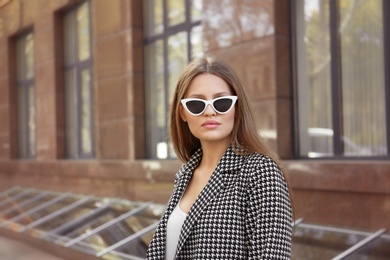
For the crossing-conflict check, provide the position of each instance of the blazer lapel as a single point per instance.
(225, 173)
(181, 181)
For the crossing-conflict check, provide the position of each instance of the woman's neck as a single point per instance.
(212, 154)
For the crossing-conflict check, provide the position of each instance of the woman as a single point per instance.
(230, 199)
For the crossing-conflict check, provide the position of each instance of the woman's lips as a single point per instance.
(210, 124)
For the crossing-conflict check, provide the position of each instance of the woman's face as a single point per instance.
(209, 126)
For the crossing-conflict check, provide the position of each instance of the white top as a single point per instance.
(174, 224)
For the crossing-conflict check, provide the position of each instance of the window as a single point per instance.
(172, 38)
(105, 228)
(25, 74)
(341, 81)
(78, 83)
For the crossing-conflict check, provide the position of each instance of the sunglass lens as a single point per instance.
(195, 106)
(223, 105)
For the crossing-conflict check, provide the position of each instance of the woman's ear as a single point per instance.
(182, 114)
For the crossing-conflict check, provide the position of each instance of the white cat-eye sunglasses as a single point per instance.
(221, 105)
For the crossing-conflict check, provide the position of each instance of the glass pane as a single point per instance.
(317, 243)
(314, 85)
(156, 113)
(22, 121)
(153, 17)
(364, 119)
(177, 59)
(70, 39)
(68, 216)
(31, 120)
(196, 10)
(136, 247)
(83, 32)
(379, 249)
(8, 202)
(116, 232)
(71, 108)
(9, 192)
(196, 42)
(86, 112)
(112, 213)
(28, 213)
(176, 12)
(25, 58)
(29, 56)
(39, 210)
(19, 203)
(62, 218)
(20, 60)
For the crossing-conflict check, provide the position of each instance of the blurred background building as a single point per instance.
(85, 88)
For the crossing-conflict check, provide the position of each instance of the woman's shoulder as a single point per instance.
(260, 167)
(258, 160)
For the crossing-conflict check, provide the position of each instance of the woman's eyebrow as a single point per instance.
(216, 95)
(197, 96)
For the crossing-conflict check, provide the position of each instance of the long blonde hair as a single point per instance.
(244, 135)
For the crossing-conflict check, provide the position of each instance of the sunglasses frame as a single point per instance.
(209, 102)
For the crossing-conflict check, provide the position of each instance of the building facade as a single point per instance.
(85, 89)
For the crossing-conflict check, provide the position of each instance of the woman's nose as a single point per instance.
(209, 111)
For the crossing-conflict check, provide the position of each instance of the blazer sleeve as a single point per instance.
(269, 212)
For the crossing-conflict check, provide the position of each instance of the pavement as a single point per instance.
(14, 250)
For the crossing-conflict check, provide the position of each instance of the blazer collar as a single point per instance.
(225, 173)
(230, 161)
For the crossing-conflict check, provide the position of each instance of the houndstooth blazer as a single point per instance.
(244, 212)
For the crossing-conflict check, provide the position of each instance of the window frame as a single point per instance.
(168, 31)
(25, 85)
(336, 74)
(78, 67)
(386, 39)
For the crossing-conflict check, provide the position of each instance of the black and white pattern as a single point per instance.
(244, 212)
